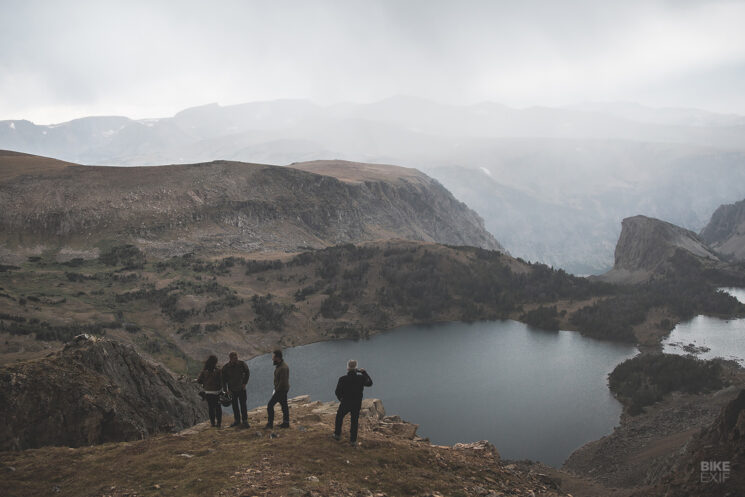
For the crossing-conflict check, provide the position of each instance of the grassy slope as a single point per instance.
(179, 310)
(437, 283)
(13, 164)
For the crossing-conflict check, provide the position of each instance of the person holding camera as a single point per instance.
(349, 392)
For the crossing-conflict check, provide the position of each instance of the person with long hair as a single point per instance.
(211, 379)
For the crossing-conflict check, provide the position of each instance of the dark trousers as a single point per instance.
(354, 412)
(239, 405)
(281, 398)
(213, 403)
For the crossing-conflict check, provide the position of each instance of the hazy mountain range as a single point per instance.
(552, 184)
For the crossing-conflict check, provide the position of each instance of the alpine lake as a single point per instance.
(534, 394)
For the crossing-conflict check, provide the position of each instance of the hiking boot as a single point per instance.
(284, 425)
(235, 424)
(336, 437)
(268, 426)
(245, 425)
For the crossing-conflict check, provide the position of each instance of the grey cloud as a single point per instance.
(148, 58)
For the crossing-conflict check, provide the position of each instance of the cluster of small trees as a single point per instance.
(128, 256)
(546, 318)
(253, 267)
(198, 330)
(645, 379)
(270, 315)
(192, 263)
(168, 297)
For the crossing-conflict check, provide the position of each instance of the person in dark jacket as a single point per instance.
(235, 378)
(281, 387)
(349, 392)
(211, 380)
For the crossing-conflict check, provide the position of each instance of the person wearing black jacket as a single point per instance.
(211, 379)
(349, 392)
(235, 378)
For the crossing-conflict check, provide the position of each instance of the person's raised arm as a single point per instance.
(367, 380)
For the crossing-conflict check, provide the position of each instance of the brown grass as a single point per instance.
(231, 462)
(357, 172)
(14, 164)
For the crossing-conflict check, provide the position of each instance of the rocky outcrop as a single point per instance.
(482, 448)
(721, 443)
(643, 448)
(646, 246)
(93, 391)
(725, 232)
(222, 206)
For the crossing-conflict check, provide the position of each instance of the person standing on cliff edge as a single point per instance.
(349, 392)
(235, 378)
(281, 387)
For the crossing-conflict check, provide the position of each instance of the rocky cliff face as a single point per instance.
(230, 206)
(722, 442)
(93, 391)
(646, 245)
(725, 233)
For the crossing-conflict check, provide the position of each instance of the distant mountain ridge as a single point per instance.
(223, 206)
(575, 172)
(120, 140)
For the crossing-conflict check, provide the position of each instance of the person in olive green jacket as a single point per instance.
(281, 387)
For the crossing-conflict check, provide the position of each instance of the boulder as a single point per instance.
(373, 409)
(482, 448)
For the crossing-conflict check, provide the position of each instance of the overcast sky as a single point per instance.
(65, 59)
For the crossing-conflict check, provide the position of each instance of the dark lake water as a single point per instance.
(533, 394)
